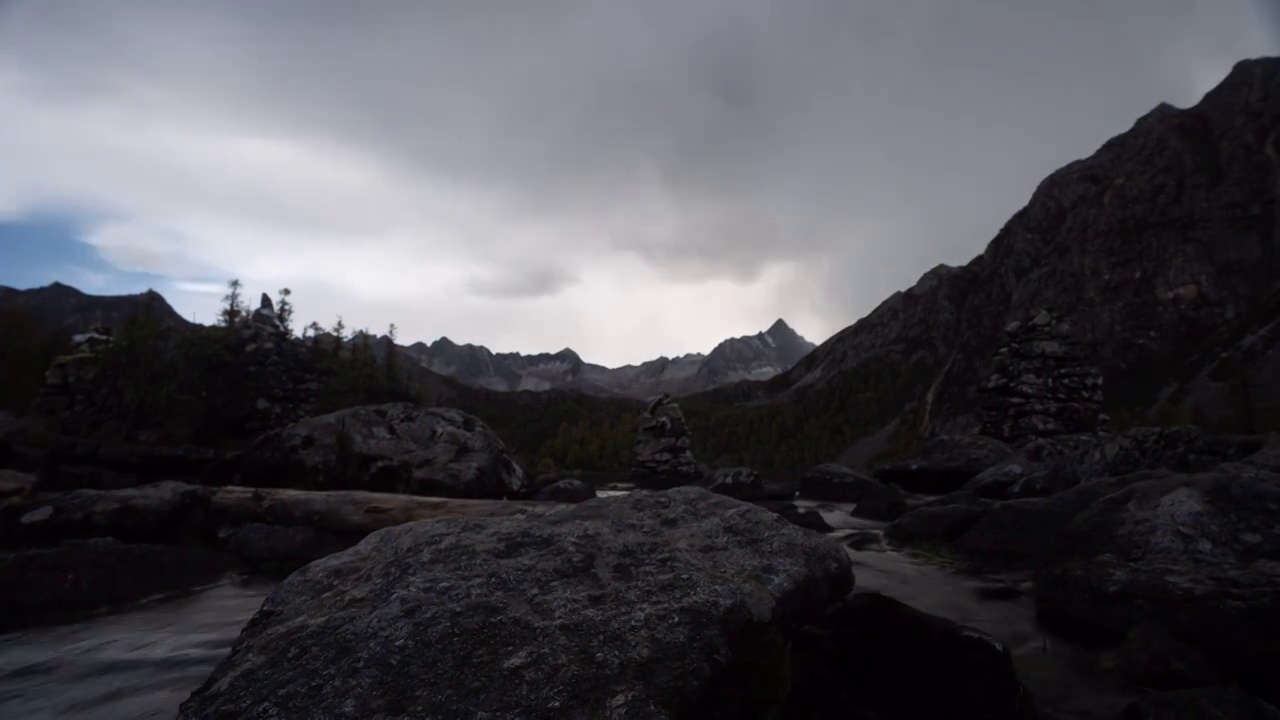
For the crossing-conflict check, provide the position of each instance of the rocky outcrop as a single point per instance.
(1146, 549)
(1052, 465)
(835, 483)
(662, 456)
(1043, 384)
(945, 464)
(1199, 554)
(1160, 248)
(265, 322)
(675, 604)
(399, 447)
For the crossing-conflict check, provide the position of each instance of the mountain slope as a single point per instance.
(746, 358)
(1162, 248)
(63, 307)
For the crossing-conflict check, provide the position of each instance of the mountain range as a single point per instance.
(1161, 250)
(754, 357)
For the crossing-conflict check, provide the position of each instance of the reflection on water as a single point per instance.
(134, 665)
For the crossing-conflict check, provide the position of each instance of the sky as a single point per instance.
(628, 179)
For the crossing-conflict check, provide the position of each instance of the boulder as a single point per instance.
(881, 502)
(661, 456)
(1215, 703)
(53, 584)
(165, 512)
(1198, 554)
(396, 448)
(1152, 657)
(835, 483)
(16, 487)
(874, 652)
(568, 490)
(657, 605)
(739, 482)
(929, 526)
(945, 464)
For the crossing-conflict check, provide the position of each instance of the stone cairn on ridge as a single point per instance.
(661, 456)
(1042, 384)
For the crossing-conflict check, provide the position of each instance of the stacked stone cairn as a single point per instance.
(661, 457)
(1042, 383)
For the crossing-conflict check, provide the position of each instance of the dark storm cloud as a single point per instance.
(868, 140)
(511, 283)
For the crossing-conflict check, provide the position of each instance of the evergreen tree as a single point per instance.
(393, 361)
(233, 308)
(284, 310)
(339, 335)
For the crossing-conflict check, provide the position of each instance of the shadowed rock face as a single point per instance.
(398, 447)
(617, 607)
(1162, 248)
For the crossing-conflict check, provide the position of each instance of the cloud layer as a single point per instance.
(629, 179)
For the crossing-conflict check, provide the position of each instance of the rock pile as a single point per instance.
(265, 323)
(661, 456)
(1043, 384)
(71, 382)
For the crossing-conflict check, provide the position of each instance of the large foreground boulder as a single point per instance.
(397, 448)
(1197, 554)
(675, 604)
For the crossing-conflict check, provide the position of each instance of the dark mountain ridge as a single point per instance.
(1163, 250)
(753, 357)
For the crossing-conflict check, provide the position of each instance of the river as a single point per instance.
(140, 664)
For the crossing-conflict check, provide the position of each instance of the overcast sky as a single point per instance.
(626, 178)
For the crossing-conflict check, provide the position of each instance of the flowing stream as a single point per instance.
(142, 663)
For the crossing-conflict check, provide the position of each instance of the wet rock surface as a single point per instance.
(630, 606)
